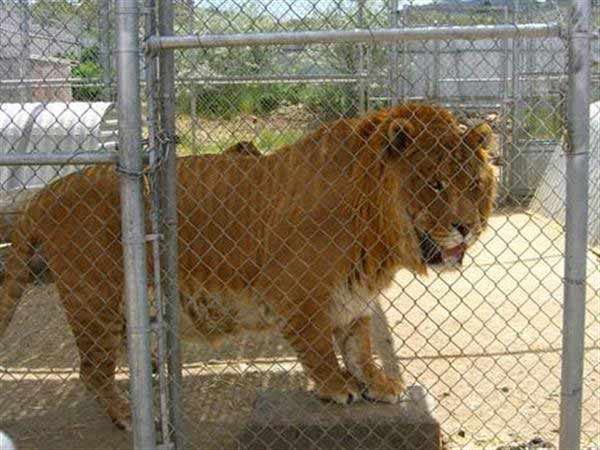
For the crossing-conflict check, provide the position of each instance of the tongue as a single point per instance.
(455, 253)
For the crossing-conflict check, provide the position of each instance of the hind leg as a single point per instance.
(97, 321)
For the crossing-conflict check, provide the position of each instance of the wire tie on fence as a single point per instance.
(165, 138)
(576, 282)
(130, 173)
(134, 240)
(127, 9)
(156, 159)
(568, 153)
(138, 330)
(153, 237)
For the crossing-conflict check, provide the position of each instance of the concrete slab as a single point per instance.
(298, 420)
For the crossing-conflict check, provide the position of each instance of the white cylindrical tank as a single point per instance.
(48, 128)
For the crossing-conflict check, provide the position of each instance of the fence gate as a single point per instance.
(530, 96)
(247, 180)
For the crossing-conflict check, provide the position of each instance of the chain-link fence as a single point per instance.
(307, 211)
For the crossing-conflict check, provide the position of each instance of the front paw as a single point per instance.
(384, 388)
(342, 389)
(120, 414)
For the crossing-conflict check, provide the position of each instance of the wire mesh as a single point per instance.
(483, 342)
(56, 101)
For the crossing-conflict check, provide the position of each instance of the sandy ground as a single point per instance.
(485, 343)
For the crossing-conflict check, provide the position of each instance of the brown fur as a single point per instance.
(243, 148)
(302, 239)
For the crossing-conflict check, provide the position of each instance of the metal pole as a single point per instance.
(192, 87)
(362, 87)
(504, 109)
(58, 159)
(394, 55)
(530, 55)
(168, 178)
(155, 158)
(514, 155)
(194, 116)
(132, 223)
(369, 72)
(457, 70)
(26, 72)
(105, 61)
(578, 122)
(467, 32)
(436, 68)
(404, 22)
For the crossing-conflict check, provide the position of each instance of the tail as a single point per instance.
(16, 269)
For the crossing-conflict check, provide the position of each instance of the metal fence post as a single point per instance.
(578, 122)
(26, 70)
(361, 85)
(504, 108)
(132, 223)
(404, 48)
(192, 86)
(530, 60)
(514, 156)
(168, 181)
(436, 68)
(394, 55)
(104, 56)
(151, 75)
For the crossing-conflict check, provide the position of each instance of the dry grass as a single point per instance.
(283, 126)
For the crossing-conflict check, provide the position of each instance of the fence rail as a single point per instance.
(75, 159)
(472, 32)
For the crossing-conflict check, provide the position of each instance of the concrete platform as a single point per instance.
(298, 420)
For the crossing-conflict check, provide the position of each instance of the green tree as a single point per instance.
(89, 70)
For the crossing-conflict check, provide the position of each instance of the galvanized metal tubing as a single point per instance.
(150, 68)
(25, 60)
(132, 223)
(514, 168)
(360, 70)
(435, 77)
(272, 79)
(59, 159)
(471, 32)
(104, 56)
(506, 106)
(393, 56)
(578, 122)
(168, 182)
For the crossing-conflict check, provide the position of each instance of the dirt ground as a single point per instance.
(485, 343)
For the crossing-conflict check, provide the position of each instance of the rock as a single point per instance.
(298, 420)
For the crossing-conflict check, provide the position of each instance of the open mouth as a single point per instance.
(434, 255)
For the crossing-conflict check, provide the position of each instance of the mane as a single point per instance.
(380, 223)
(351, 150)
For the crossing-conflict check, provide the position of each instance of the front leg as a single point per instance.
(309, 330)
(354, 341)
